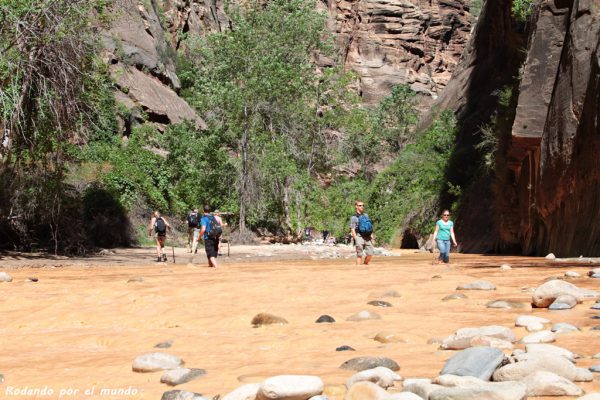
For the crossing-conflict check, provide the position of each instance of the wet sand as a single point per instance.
(82, 324)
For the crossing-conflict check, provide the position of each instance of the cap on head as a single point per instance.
(217, 211)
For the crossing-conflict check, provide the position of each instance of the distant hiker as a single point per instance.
(361, 228)
(159, 226)
(211, 233)
(193, 222)
(217, 215)
(307, 233)
(444, 232)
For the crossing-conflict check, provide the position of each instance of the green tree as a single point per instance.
(262, 95)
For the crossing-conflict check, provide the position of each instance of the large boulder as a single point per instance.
(526, 363)
(545, 383)
(545, 294)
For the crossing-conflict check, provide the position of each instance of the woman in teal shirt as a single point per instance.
(444, 232)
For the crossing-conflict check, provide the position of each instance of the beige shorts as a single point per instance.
(363, 247)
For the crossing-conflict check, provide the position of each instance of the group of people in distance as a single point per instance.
(361, 229)
(209, 227)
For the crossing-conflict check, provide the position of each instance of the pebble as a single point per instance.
(526, 320)
(505, 267)
(572, 274)
(362, 363)
(550, 256)
(267, 319)
(182, 395)
(387, 337)
(164, 345)
(135, 279)
(595, 368)
(477, 285)
(386, 293)
(379, 303)
(363, 316)
(155, 362)
(4, 277)
(454, 296)
(344, 348)
(179, 376)
(325, 319)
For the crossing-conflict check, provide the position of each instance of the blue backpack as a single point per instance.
(214, 229)
(365, 226)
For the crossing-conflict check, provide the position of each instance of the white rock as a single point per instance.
(572, 274)
(539, 337)
(422, 389)
(487, 391)
(403, 396)
(155, 362)
(290, 387)
(590, 396)
(584, 375)
(363, 316)
(448, 380)
(526, 363)
(477, 285)
(549, 349)
(545, 383)
(525, 320)
(366, 390)
(380, 376)
(461, 339)
(4, 277)
(505, 267)
(550, 256)
(410, 381)
(546, 293)
(489, 341)
(534, 327)
(244, 392)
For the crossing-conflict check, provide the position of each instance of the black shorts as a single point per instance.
(212, 247)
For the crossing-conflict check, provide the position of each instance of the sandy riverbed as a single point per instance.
(82, 323)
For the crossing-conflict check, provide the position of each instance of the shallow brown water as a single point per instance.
(82, 324)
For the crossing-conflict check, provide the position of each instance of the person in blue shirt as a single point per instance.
(444, 232)
(211, 246)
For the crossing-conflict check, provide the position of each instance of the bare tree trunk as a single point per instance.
(287, 221)
(243, 181)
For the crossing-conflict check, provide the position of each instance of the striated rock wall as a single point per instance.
(392, 42)
(544, 193)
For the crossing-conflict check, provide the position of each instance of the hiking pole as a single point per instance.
(173, 248)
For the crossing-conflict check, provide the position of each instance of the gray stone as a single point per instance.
(344, 348)
(182, 395)
(325, 319)
(363, 316)
(563, 302)
(454, 296)
(267, 319)
(363, 363)
(386, 293)
(244, 392)
(545, 383)
(461, 339)
(4, 277)
(290, 387)
(477, 285)
(178, 376)
(595, 368)
(595, 306)
(488, 391)
(379, 303)
(506, 304)
(563, 327)
(479, 362)
(164, 345)
(572, 274)
(381, 376)
(155, 362)
(595, 276)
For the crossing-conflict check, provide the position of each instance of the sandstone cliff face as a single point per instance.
(544, 193)
(393, 42)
